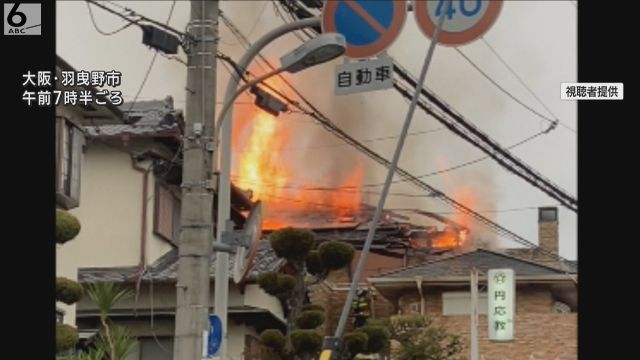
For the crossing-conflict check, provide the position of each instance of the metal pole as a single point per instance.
(196, 221)
(224, 186)
(474, 315)
(387, 184)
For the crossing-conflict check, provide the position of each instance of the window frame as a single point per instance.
(175, 213)
(70, 142)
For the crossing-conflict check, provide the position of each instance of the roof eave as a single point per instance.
(465, 279)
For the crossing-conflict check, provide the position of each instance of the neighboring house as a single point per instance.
(70, 156)
(150, 316)
(439, 288)
(123, 185)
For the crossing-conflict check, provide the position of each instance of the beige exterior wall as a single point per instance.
(256, 297)
(165, 298)
(110, 216)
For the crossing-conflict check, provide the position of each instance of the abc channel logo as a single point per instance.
(22, 19)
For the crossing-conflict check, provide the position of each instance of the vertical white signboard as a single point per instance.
(502, 304)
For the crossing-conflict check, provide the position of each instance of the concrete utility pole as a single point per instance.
(196, 221)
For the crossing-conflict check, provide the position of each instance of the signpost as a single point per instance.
(363, 76)
(369, 26)
(214, 338)
(502, 303)
(466, 21)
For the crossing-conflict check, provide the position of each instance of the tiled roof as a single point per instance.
(166, 267)
(154, 117)
(461, 265)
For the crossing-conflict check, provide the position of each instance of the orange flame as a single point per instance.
(261, 166)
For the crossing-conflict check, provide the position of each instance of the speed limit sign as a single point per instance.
(466, 20)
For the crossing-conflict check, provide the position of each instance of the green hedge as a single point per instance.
(66, 337)
(67, 226)
(68, 291)
(310, 319)
(336, 254)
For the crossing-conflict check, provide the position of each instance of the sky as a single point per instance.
(537, 39)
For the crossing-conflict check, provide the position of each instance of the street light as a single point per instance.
(319, 50)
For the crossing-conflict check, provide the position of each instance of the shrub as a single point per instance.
(292, 244)
(310, 319)
(273, 339)
(66, 337)
(312, 307)
(306, 341)
(356, 342)
(377, 338)
(68, 291)
(335, 254)
(314, 263)
(67, 226)
(269, 282)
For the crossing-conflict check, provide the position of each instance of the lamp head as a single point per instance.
(320, 49)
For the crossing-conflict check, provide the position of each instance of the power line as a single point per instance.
(383, 138)
(523, 83)
(153, 60)
(501, 88)
(460, 126)
(95, 24)
(256, 21)
(335, 130)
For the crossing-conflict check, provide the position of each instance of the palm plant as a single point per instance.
(117, 340)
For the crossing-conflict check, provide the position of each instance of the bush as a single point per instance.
(67, 226)
(310, 319)
(314, 263)
(377, 338)
(279, 285)
(312, 307)
(306, 341)
(273, 339)
(66, 337)
(269, 282)
(336, 254)
(292, 244)
(356, 342)
(68, 291)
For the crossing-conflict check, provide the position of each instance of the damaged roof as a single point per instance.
(166, 268)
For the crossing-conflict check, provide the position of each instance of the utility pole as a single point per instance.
(196, 221)
(474, 315)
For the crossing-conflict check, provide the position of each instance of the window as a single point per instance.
(414, 308)
(166, 213)
(69, 143)
(459, 303)
(59, 315)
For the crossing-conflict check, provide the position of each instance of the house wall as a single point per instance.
(539, 333)
(162, 332)
(110, 217)
(256, 297)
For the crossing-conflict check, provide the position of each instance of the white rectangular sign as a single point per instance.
(361, 76)
(502, 304)
(591, 91)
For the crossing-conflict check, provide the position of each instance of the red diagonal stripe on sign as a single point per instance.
(365, 16)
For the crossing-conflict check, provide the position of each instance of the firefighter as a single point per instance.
(360, 308)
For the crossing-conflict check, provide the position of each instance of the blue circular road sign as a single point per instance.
(215, 335)
(369, 26)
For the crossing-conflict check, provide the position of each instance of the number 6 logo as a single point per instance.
(465, 21)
